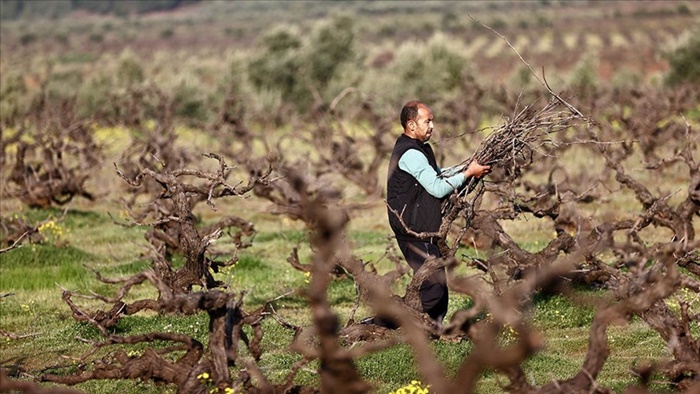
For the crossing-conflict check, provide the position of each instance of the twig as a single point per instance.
(15, 244)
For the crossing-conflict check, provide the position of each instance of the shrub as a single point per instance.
(95, 97)
(96, 37)
(387, 31)
(543, 21)
(62, 38)
(62, 85)
(278, 66)
(684, 65)
(234, 32)
(683, 9)
(626, 77)
(292, 67)
(27, 38)
(584, 78)
(167, 32)
(498, 23)
(189, 101)
(522, 78)
(129, 72)
(429, 71)
(330, 47)
(450, 21)
(14, 100)
(234, 82)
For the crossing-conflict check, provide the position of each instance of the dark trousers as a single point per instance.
(433, 291)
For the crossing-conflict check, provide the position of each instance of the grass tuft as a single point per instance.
(41, 266)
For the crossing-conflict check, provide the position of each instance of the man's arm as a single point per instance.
(416, 164)
(474, 169)
(449, 171)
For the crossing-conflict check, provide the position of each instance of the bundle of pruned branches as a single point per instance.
(521, 135)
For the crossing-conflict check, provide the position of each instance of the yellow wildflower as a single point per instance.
(415, 387)
(203, 376)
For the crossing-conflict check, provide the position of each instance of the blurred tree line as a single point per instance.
(685, 61)
(290, 71)
(15, 9)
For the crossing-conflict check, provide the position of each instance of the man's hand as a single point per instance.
(476, 170)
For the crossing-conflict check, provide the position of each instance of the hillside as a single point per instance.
(622, 37)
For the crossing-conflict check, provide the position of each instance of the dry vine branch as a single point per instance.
(225, 332)
(16, 244)
(343, 153)
(174, 226)
(54, 168)
(521, 135)
(153, 149)
(8, 385)
(16, 229)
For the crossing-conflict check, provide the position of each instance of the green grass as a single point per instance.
(39, 267)
(391, 367)
(562, 321)
(559, 312)
(288, 236)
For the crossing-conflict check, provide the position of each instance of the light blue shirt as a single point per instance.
(416, 164)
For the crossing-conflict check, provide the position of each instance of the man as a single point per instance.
(415, 191)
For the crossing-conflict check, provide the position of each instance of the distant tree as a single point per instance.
(11, 9)
(127, 7)
(27, 38)
(130, 72)
(278, 66)
(14, 98)
(14, 9)
(584, 78)
(684, 61)
(167, 33)
(683, 9)
(189, 102)
(430, 69)
(300, 70)
(96, 37)
(95, 97)
(332, 46)
(97, 6)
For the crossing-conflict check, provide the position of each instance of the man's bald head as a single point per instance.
(410, 112)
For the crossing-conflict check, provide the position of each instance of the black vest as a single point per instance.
(419, 210)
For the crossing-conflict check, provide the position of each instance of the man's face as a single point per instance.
(423, 124)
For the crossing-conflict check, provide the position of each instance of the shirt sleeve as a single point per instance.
(450, 171)
(416, 164)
